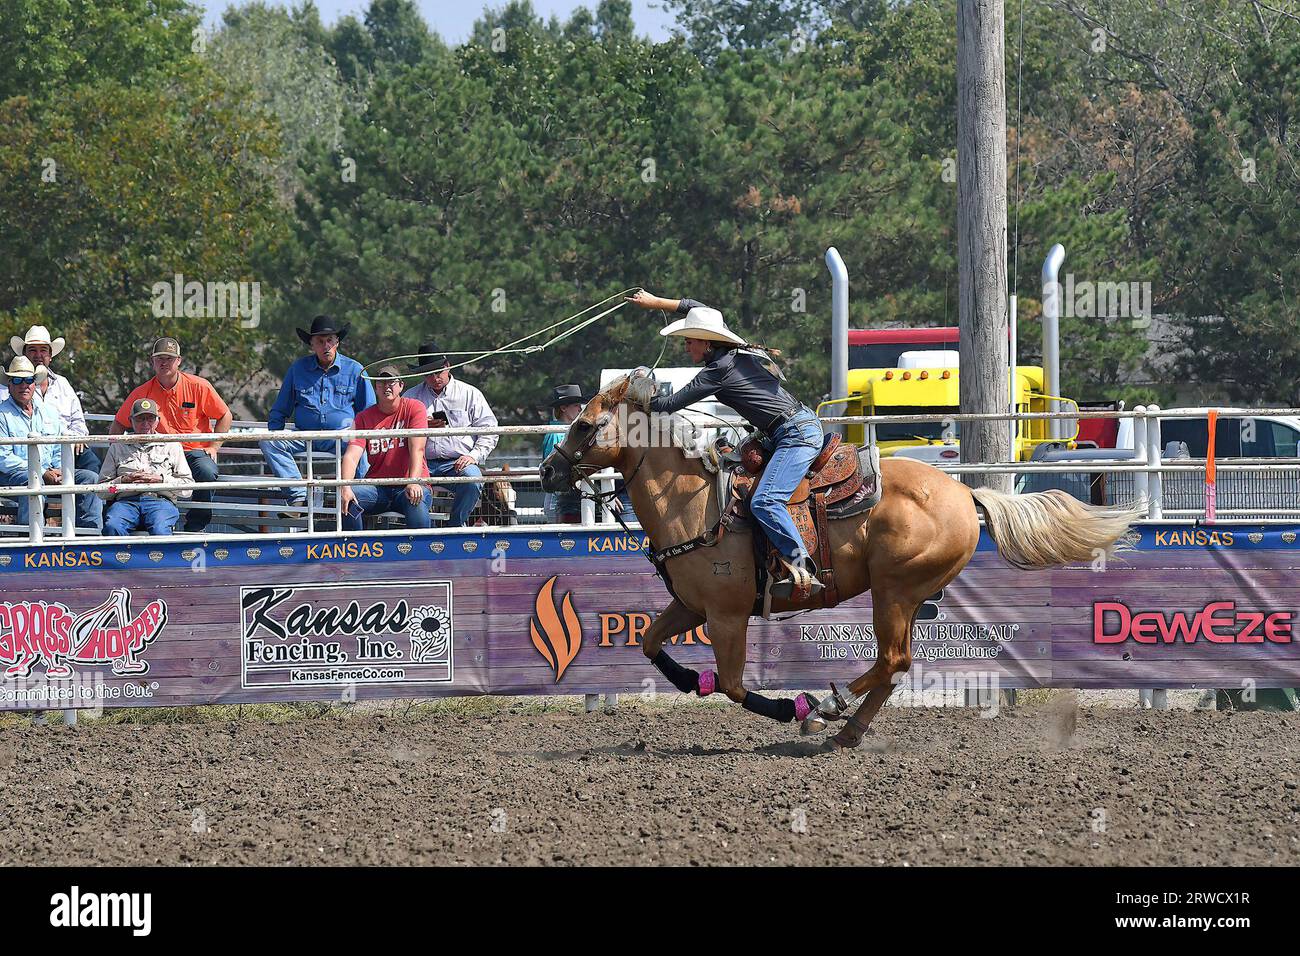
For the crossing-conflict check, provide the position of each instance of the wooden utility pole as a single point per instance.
(982, 233)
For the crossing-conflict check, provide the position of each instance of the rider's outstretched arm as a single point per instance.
(648, 301)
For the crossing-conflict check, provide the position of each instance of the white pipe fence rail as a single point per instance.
(1144, 461)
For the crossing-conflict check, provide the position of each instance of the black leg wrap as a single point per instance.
(780, 708)
(683, 678)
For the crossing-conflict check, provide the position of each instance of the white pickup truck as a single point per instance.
(1238, 434)
(1184, 433)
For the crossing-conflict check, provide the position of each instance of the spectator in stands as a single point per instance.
(563, 507)
(397, 457)
(24, 415)
(56, 390)
(161, 463)
(186, 405)
(323, 391)
(464, 407)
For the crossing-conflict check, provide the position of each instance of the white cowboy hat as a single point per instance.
(22, 366)
(37, 335)
(703, 323)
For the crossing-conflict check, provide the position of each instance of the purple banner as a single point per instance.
(509, 612)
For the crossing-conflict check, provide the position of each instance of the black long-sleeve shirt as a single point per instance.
(737, 378)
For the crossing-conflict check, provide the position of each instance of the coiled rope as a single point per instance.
(517, 347)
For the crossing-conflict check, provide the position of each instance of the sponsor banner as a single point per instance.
(514, 612)
(501, 542)
(380, 633)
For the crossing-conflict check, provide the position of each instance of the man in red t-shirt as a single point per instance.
(397, 457)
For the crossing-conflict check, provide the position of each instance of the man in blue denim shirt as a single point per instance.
(321, 391)
(24, 415)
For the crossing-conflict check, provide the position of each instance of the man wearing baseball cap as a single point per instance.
(186, 405)
(397, 457)
(23, 415)
(38, 346)
(159, 464)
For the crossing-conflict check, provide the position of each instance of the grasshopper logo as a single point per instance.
(48, 633)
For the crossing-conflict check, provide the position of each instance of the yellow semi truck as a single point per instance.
(927, 383)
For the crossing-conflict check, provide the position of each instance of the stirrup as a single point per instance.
(799, 578)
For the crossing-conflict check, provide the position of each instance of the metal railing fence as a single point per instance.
(1173, 488)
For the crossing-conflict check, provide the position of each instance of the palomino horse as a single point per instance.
(914, 542)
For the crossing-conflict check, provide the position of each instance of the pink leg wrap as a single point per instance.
(708, 683)
(803, 706)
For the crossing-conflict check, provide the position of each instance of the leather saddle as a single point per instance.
(843, 481)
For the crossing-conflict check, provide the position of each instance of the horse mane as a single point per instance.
(614, 394)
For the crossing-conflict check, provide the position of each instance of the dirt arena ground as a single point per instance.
(676, 782)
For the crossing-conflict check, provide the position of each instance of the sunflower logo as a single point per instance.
(430, 629)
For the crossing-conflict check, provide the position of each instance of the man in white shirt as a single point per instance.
(455, 404)
(56, 391)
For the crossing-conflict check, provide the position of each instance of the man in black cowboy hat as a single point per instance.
(322, 391)
(458, 405)
(564, 507)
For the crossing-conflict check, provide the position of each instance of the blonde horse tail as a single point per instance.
(1049, 528)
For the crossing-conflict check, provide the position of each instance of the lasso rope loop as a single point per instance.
(512, 347)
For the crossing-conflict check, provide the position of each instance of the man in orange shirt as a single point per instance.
(187, 404)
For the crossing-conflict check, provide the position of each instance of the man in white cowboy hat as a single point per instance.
(323, 391)
(24, 415)
(40, 348)
(160, 464)
(746, 379)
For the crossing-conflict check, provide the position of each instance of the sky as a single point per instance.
(452, 19)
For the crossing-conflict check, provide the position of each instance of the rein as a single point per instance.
(658, 558)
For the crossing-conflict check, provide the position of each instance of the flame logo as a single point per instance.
(557, 634)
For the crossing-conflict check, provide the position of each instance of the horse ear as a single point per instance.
(618, 391)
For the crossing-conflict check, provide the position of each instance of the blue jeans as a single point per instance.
(797, 443)
(90, 508)
(374, 499)
(158, 515)
(203, 468)
(464, 496)
(279, 458)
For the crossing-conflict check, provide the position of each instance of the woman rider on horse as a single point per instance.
(746, 379)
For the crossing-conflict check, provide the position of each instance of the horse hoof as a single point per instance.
(845, 741)
(813, 724)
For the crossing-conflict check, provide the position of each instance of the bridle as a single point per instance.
(583, 473)
(657, 557)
